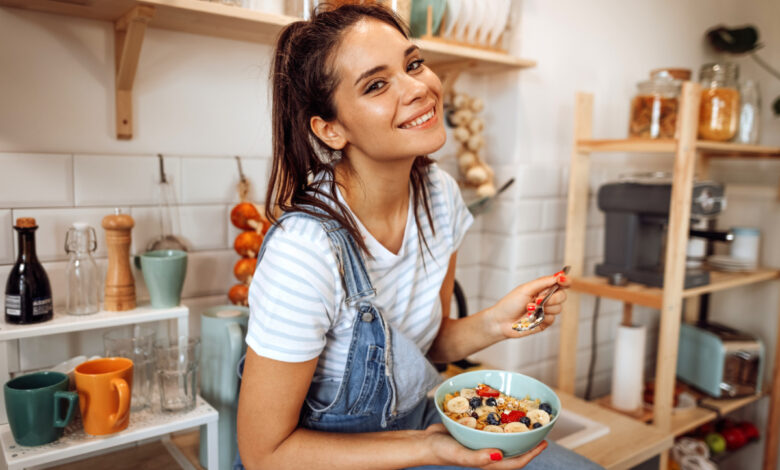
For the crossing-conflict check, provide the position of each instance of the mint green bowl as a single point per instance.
(511, 384)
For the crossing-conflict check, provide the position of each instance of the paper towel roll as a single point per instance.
(628, 368)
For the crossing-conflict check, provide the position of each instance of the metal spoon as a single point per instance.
(534, 320)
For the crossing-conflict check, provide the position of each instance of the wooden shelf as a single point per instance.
(706, 148)
(652, 297)
(685, 421)
(725, 407)
(130, 19)
(231, 22)
(627, 145)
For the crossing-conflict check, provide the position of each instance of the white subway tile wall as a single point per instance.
(101, 180)
(36, 180)
(210, 180)
(53, 225)
(7, 236)
(61, 189)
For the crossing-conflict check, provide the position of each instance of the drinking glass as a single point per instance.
(177, 373)
(137, 346)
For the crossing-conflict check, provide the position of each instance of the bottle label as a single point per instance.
(42, 306)
(13, 305)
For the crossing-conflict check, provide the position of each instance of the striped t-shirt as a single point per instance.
(297, 300)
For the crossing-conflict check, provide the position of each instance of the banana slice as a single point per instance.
(468, 421)
(458, 405)
(484, 410)
(468, 393)
(539, 416)
(515, 427)
(492, 428)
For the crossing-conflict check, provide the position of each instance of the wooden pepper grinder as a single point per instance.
(120, 285)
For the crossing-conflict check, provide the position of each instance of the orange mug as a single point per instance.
(105, 389)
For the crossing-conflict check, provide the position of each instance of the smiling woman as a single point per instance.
(350, 298)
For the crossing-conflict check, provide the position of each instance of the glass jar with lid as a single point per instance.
(719, 110)
(83, 294)
(654, 109)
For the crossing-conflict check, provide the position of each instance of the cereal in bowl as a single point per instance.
(486, 409)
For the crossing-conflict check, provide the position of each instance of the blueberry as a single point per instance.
(536, 425)
(494, 419)
(474, 415)
(525, 420)
(475, 402)
(546, 407)
(490, 401)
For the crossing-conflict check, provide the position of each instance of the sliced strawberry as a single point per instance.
(512, 416)
(488, 392)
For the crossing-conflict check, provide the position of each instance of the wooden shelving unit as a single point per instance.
(640, 294)
(690, 155)
(132, 17)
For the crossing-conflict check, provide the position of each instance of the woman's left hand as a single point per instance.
(523, 300)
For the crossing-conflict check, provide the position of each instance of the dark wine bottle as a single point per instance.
(27, 292)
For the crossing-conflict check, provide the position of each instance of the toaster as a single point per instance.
(720, 361)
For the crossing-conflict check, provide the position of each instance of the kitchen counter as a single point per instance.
(629, 442)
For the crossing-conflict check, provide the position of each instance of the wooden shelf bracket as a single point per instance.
(128, 38)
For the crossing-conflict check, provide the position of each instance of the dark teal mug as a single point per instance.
(39, 406)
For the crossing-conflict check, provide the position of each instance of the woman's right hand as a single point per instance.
(448, 451)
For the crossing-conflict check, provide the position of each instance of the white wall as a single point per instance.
(605, 47)
(201, 100)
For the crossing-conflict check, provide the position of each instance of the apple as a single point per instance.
(705, 429)
(750, 430)
(735, 438)
(715, 442)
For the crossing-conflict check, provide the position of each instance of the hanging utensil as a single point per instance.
(166, 206)
(483, 204)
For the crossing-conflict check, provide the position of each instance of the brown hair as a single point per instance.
(304, 82)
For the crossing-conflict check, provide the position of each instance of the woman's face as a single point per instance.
(388, 104)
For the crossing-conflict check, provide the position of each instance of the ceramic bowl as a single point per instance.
(511, 384)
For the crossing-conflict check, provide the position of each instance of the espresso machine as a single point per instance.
(636, 212)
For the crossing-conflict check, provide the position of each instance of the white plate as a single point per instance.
(491, 8)
(727, 263)
(502, 16)
(466, 12)
(478, 12)
(451, 16)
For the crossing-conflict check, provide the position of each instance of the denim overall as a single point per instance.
(386, 377)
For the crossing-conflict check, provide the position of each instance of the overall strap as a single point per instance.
(352, 266)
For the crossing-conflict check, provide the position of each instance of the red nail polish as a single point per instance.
(539, 301)
(495, 456)
(531, 307)
(562, 279)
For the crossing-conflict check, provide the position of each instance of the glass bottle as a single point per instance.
(27, 292)
(83, 277)
(749, 113)
(719, 111)
(654, 109)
